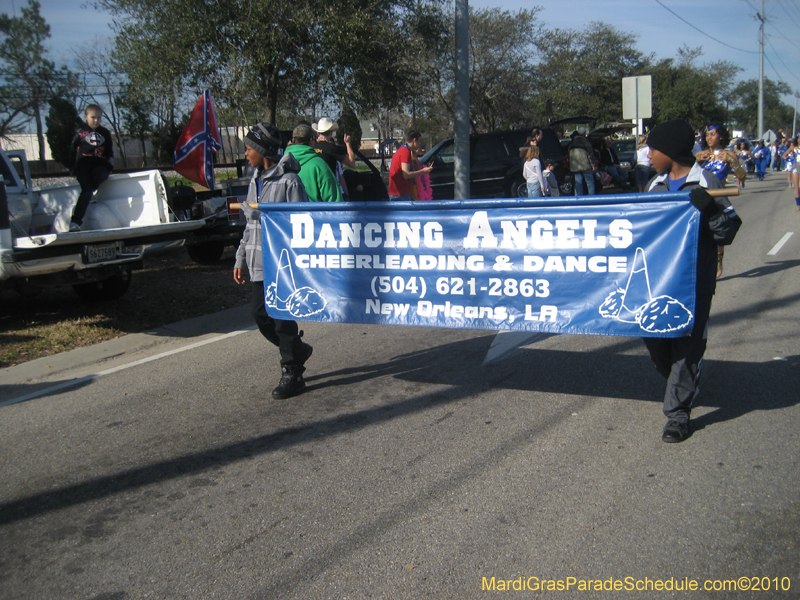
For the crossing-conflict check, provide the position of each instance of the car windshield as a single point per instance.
(446, 154)
(625, 146)
(566, 129)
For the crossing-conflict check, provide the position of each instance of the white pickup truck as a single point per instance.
(128, 217)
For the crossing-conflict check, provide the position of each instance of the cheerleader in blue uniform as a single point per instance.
(715, 158)
(762, 158)
(791, 160)
(745, 157)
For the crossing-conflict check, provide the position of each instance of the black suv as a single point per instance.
(495, 164)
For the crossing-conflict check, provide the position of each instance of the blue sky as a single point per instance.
(658, 25)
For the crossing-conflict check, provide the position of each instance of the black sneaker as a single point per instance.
(291, 384)
(675, 432)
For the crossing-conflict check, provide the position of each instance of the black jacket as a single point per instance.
(716, 230)
(92, 147)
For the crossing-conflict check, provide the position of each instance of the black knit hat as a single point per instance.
(265, 139)
(675, 139)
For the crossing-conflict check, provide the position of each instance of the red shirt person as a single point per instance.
(401, 177)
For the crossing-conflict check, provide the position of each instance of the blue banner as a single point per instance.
(604, 265)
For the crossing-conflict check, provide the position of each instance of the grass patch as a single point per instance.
(170, 288)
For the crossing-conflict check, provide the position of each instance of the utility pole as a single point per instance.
(761, 75)
(461, 128)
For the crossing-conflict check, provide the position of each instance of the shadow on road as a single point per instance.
(765, 269)
(735, 388)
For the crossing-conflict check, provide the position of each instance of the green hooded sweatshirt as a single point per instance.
(316, 175)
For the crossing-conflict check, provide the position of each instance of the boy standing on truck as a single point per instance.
(275, 180)
(94, 160)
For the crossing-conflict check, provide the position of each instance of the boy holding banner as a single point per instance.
(275, 180)
(680, 359)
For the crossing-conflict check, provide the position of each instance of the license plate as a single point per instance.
(101, 253)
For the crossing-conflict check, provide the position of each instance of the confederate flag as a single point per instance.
(193, 154)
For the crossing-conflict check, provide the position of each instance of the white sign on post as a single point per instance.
(637, 97)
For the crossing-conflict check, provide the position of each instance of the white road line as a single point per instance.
(73, 382)
(780, 244)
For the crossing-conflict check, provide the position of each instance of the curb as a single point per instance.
(41, 373)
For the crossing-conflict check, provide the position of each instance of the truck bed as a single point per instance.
(106, 235)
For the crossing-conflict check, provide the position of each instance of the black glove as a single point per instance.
(703, 202)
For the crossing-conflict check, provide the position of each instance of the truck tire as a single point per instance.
(108, 289)
(25, 288)
(206, 253)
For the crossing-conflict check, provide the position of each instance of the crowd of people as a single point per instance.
(592, 168)
(302, 174)
(744, 157)
(674, 158)
(310, 169)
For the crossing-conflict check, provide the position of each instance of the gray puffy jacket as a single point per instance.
(279, 183)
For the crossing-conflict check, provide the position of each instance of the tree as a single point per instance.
(695, 94)
(501, 73)
(165, 138)
(136, 118)
(500, 79)
(416, 99)
(744, 112)
(348, 122)
(61, 121)
(581, 73)
(27, 79)
(100, 84)
(267, 53)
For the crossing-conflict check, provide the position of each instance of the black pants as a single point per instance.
(283, 334)
(679, 360)
(90, 178)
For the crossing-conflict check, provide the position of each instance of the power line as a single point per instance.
(774, 69)
(780, 59)
(703, 32)
(786, 10)
(750, 5)
(783, 37)
(790, 17)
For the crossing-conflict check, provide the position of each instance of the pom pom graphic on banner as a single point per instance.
(663, 314)
(283, 293)
(635, 303)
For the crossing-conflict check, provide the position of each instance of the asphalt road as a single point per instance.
(158, 466)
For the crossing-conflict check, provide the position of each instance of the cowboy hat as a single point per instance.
(324, 126)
